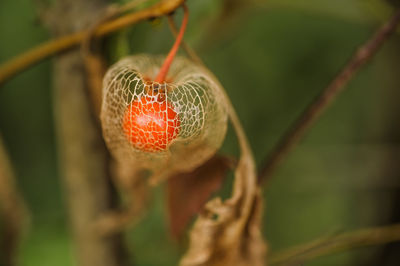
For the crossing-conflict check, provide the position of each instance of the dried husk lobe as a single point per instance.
(188, 91)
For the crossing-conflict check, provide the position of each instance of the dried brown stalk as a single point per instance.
(134, 186)
(13, 211)
(228, 232)
(35, 55)
(345, 241)
(311, 114)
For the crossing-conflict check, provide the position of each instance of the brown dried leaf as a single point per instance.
(188, 192)
(13, 211)
(228, 233)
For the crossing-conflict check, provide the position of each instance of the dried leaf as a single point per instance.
(228, 233)
(188, 192)
(13, 211)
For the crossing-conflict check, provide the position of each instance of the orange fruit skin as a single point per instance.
(150, 125)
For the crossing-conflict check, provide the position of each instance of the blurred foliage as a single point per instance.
(282, 53)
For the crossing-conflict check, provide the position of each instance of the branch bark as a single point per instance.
(83, 156)
(71, 39)
(311, 114)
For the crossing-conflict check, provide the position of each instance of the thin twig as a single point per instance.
(338, 243)
(190, 52)
(316, 108)
(13, 211)
(35, 55)
(162, 73)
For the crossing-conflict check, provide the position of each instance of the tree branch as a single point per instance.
(338, 243)
(35, 55)
(84, 160)
(311, 114)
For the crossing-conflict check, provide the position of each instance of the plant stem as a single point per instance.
(313, 111)
(189, 51)
(35, 55)
(334, 244)
(171, 55)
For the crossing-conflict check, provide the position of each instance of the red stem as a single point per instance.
(170, 57)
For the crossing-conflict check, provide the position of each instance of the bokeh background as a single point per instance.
(273, 57)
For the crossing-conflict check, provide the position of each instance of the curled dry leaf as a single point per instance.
(188, 192)
(228, 233)
(13, 212)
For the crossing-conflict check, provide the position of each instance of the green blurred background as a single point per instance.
(273, 57)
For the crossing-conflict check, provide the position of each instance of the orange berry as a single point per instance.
(150, 124)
